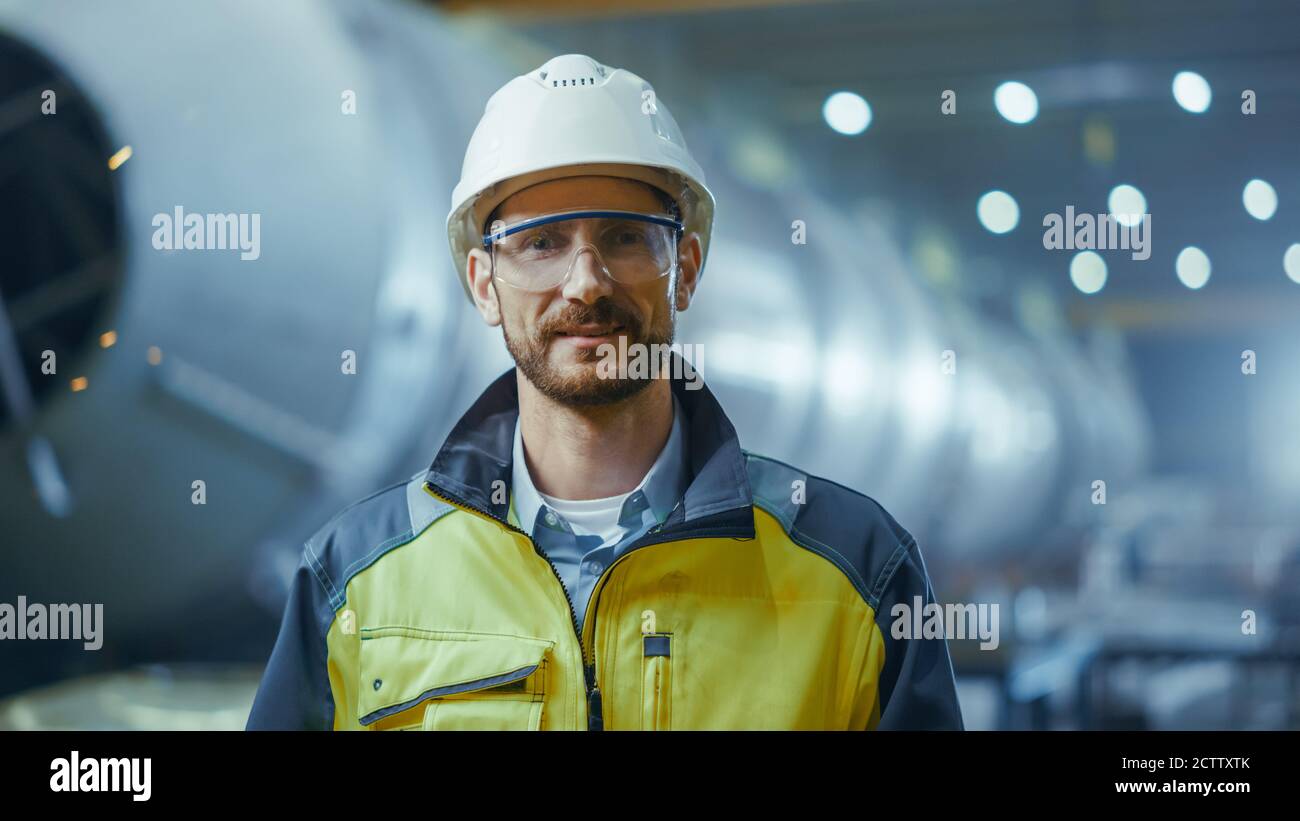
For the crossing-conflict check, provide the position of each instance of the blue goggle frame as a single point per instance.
(657, 219)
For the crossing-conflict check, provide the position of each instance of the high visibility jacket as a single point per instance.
(763, 601)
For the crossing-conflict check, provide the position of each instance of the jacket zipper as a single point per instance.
(636, 545)
(594, 717)
(595, 713)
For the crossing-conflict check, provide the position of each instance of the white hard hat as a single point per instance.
(573, 116)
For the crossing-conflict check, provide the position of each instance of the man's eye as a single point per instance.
(630, 235)
(536, 241)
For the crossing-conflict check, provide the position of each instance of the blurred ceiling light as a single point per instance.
(933, 255)
(847, 113)
(123, 154)
(998, 211)
(760, 159)
(1191, 91)
(1260, 199)
(1193, 267)
(1016, 102)
(1088, 272)
(1037, 309)
(1099, 142)
(1126, 204)
(1291, 262)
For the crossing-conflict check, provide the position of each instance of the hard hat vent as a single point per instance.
(571, 71)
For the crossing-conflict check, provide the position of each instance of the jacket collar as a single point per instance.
(653, 498)
(478, 453)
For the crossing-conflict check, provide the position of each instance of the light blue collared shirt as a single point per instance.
(581, 559)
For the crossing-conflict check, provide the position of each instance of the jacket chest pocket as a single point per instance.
(657, 681)
(417, 679)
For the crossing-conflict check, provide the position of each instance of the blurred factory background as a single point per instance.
(923, 236)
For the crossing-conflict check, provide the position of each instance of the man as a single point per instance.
(591, 548)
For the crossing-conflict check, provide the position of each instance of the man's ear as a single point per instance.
(690, 253)
(478, 272)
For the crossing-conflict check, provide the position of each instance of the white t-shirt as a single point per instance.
(591, 516)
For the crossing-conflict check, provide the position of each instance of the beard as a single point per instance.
(581, 382)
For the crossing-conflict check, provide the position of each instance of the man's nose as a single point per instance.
(587, 280)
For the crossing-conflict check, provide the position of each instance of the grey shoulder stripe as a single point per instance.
(424, 509)
(773, 484)
(887, 572)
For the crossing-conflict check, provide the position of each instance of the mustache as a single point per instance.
(603, 312)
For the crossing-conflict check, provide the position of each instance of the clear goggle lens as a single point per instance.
(539, 253)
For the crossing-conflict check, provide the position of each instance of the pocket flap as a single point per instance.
(404, 666)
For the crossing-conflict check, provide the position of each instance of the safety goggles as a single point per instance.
(539, 253)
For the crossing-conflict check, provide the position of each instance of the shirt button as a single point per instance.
(550, 518)
(594, 568)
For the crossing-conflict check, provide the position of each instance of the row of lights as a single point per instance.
(107, 340)
(1088, 269)
(849, 113)
(999, 213)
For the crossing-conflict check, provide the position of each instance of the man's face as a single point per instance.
(554, 336)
